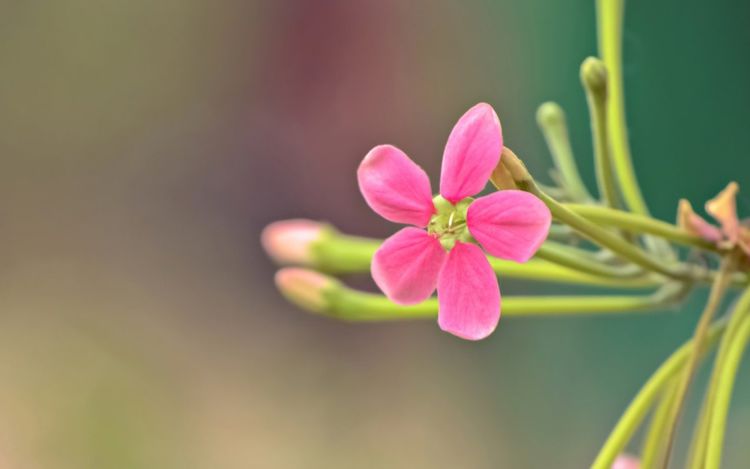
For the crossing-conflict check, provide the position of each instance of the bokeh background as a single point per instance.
(144, 145)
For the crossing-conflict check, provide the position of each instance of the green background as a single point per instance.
(144, 145)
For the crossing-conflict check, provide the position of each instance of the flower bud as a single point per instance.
(292, 241)
(549, 115)
(625, 461)
(594, 76)
(501, 177)
(510, 172)
(306, 288)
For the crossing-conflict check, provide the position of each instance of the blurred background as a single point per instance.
(144, 145)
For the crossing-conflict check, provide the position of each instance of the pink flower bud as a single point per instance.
(304, 287)
(625, 461)
(291, 241)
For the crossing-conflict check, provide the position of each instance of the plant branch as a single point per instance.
(642, 402)
(719, 287)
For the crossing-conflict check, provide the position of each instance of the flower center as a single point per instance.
(449, 221)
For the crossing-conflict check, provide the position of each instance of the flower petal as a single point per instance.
(406, 265)
(723, 208)
(695, 224)
(468, 294)
(395, 187)
(472, 152)
(509, 224)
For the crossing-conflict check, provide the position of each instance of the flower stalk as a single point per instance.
(551, 120)
(594, 80)
(649, 393)
(697, 452)
(334, 299)
(598, 235)
(718, 289)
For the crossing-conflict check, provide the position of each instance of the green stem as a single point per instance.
(610, 18)
(697, 452)
(348, 304)
(594, 80)
(584, 261)
(606, 239)
(653, 446)
(551, 120)
(341, 254)
(640, 224)
(639, 406)
(718, 289)
(540, 270)
(724, 389)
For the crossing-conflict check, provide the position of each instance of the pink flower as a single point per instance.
(412, 263)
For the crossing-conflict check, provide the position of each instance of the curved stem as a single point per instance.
(349, 304)
(724, 395)
(639, 406)
(551, 120)
(610, 18)
(697, 453)
(606, 239)
(640, 224)
(609, 15)
(719, 287)
(653, 443)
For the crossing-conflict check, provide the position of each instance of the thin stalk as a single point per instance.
(642, 402)
(610, 15)
(718, 289)
(653, 446)
(720, 409)
(594, 80)
(606, 239)
(697, 453)
(349, 304)
(610, 18)
(640, 224)
(551, 120)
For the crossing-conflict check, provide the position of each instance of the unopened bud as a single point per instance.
(306, 288)
(292, 241)
(501, 177)
(550, 114)
(594, 76)
(625, 461)
(513, 172)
